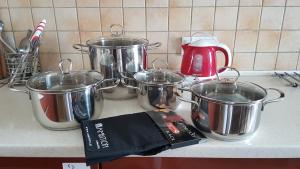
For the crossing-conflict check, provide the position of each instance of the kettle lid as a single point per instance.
(203, 40)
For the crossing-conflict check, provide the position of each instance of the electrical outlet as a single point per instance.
(75, 166)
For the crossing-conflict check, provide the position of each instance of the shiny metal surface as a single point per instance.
(121, 91)
(157, 89)
(229, 116)
(225, 121)
(113, 62)
(61, 100)
(129, 60)
(160, 77)
(65, 111)
(153, 97)
(117, 55)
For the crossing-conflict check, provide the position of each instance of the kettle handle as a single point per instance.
(227, 54)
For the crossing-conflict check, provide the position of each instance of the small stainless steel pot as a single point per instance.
(229, 110)
(157, 88)
(116, 56)
(61, 100)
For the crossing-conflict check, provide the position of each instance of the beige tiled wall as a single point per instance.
(262, 34)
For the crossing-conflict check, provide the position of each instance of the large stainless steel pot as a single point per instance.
(61, 100)
(115, 56)
(227, 109)
(157, 88)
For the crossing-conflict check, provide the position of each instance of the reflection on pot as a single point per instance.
(66, 111)
(228, 109)
(160, 97)
(121, 92)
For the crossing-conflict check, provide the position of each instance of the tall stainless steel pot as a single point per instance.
(117, 57)
(227, 109)
(61, 100)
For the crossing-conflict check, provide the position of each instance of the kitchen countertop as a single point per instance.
(278, 135)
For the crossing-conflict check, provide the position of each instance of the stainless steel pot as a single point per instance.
(157, 88)
(61, 100)
(117, 55)
(229, 110)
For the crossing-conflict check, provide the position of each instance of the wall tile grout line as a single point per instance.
(100, 17)
(58, 41)
(282, 22)
(227, 30)
(214, 22)
(160, 7)
(146, 24)
(123, 16)
(12, 29)
(79, 32)
(168, 33)
(257, 39)
(235, 33)
(176, 53)
(191, 19)
(31, 16)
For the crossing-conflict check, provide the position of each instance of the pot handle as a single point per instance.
(129, 86)
(80, 47)
(154, 45)
(12, 88)
(281, 96)
(184, 99)
(115, 82)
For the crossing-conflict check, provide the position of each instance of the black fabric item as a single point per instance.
(111, 138)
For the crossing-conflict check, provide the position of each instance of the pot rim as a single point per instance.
(77, 89)
(91, 42)
(80, 89)
(159, 84)
(231, 102)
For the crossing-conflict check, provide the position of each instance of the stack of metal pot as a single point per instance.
(118, 57)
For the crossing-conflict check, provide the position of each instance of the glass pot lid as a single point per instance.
(116, 42)
(229, 91)
(158, 76)
(117, 39)
(64, 81)
(161, 76)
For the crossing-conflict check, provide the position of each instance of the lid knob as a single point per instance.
(228, 80)
(61, 66)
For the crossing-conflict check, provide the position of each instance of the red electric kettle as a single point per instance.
(199, 56)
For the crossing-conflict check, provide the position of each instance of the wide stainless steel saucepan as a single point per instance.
(61, 100)
(228, 109)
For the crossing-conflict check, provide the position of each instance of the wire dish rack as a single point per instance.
(21, 67)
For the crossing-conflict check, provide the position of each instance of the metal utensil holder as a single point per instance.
(20, 70)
